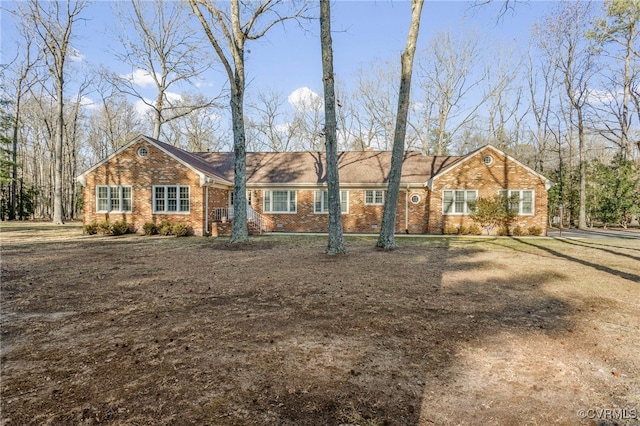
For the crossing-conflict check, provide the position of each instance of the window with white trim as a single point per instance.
(458, 201)
(116, 198)
(520, 201)
(171, 199)
(279, 202)
(374, 196)
(321, 201)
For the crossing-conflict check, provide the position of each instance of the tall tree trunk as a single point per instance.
(386, 239)
(239, 230)
(58, 214)
(14, 167)
(582, 211)
(336, 241)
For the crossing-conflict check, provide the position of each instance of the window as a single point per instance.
(458, 201)
(520, 201)
(113, 198)
(321, 201)
(279, 201)
(487, 159)
(142, 152)
(374, 196)
(171, 199)
(415, 198)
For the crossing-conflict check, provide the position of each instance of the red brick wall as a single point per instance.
(157, 168)
(361, 217)
(488, 180)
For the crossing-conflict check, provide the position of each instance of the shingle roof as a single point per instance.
(367, 167)
(192, 159)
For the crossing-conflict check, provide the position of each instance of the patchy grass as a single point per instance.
(160, 330)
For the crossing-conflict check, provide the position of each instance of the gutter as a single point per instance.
(206, 210)
(406, 209)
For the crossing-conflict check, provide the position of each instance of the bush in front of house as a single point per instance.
(104, 228)
(181, 229)
(518, 231)
(149, 228)
(462, 230)
(91, 228)
(534, 230)
(120, 227)
(165, 228)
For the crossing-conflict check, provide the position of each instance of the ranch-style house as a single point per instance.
(150, 181)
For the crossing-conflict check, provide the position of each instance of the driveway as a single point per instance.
(594, 233)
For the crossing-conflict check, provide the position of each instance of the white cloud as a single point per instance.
(419, 106)
(304, 99)
(75, 55)
(140, 78)
(142, 108)
(283, 128)
(88, 103)
(603, 96)
(172, 97)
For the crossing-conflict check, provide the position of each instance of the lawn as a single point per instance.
(443, 331)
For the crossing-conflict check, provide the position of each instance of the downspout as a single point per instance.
(206, 210)
(406, 210)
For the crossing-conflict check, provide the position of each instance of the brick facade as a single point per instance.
(419, 209)
(141, 173)
(361, 217)
(487, 179)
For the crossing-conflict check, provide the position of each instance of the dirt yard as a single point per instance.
(139, 330)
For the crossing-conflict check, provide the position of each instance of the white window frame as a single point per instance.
(321, 202)
(115, 197)
(179, 199)
(377, 197)
(521, 201)
(457, 196)
(292, 201)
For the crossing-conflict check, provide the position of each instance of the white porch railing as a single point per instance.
(221, 214)
(259, 222)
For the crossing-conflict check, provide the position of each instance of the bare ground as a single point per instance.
(443, 331)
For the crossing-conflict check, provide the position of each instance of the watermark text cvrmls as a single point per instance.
(609, 414)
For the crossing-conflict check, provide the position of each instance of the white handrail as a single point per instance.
(225, 214)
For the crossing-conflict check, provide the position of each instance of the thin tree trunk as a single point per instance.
(336, 241)
(58, 215)
(14, 166)
(386, 239)
(582, 211)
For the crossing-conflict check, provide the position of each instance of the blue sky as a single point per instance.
(364, 32)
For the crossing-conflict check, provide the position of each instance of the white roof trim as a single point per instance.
(547, 183)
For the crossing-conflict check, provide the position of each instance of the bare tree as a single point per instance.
(574, 57)
(164, 50)
(374, 113)
(51, 25)
(24, 78)
(336, 240)
(386, 239)
(447, 77)
(228, 32)
(620, 28)
(308, 121)
(271, 128)
(112, 122)
(541, 78)
(504, 99)
(200, 130)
